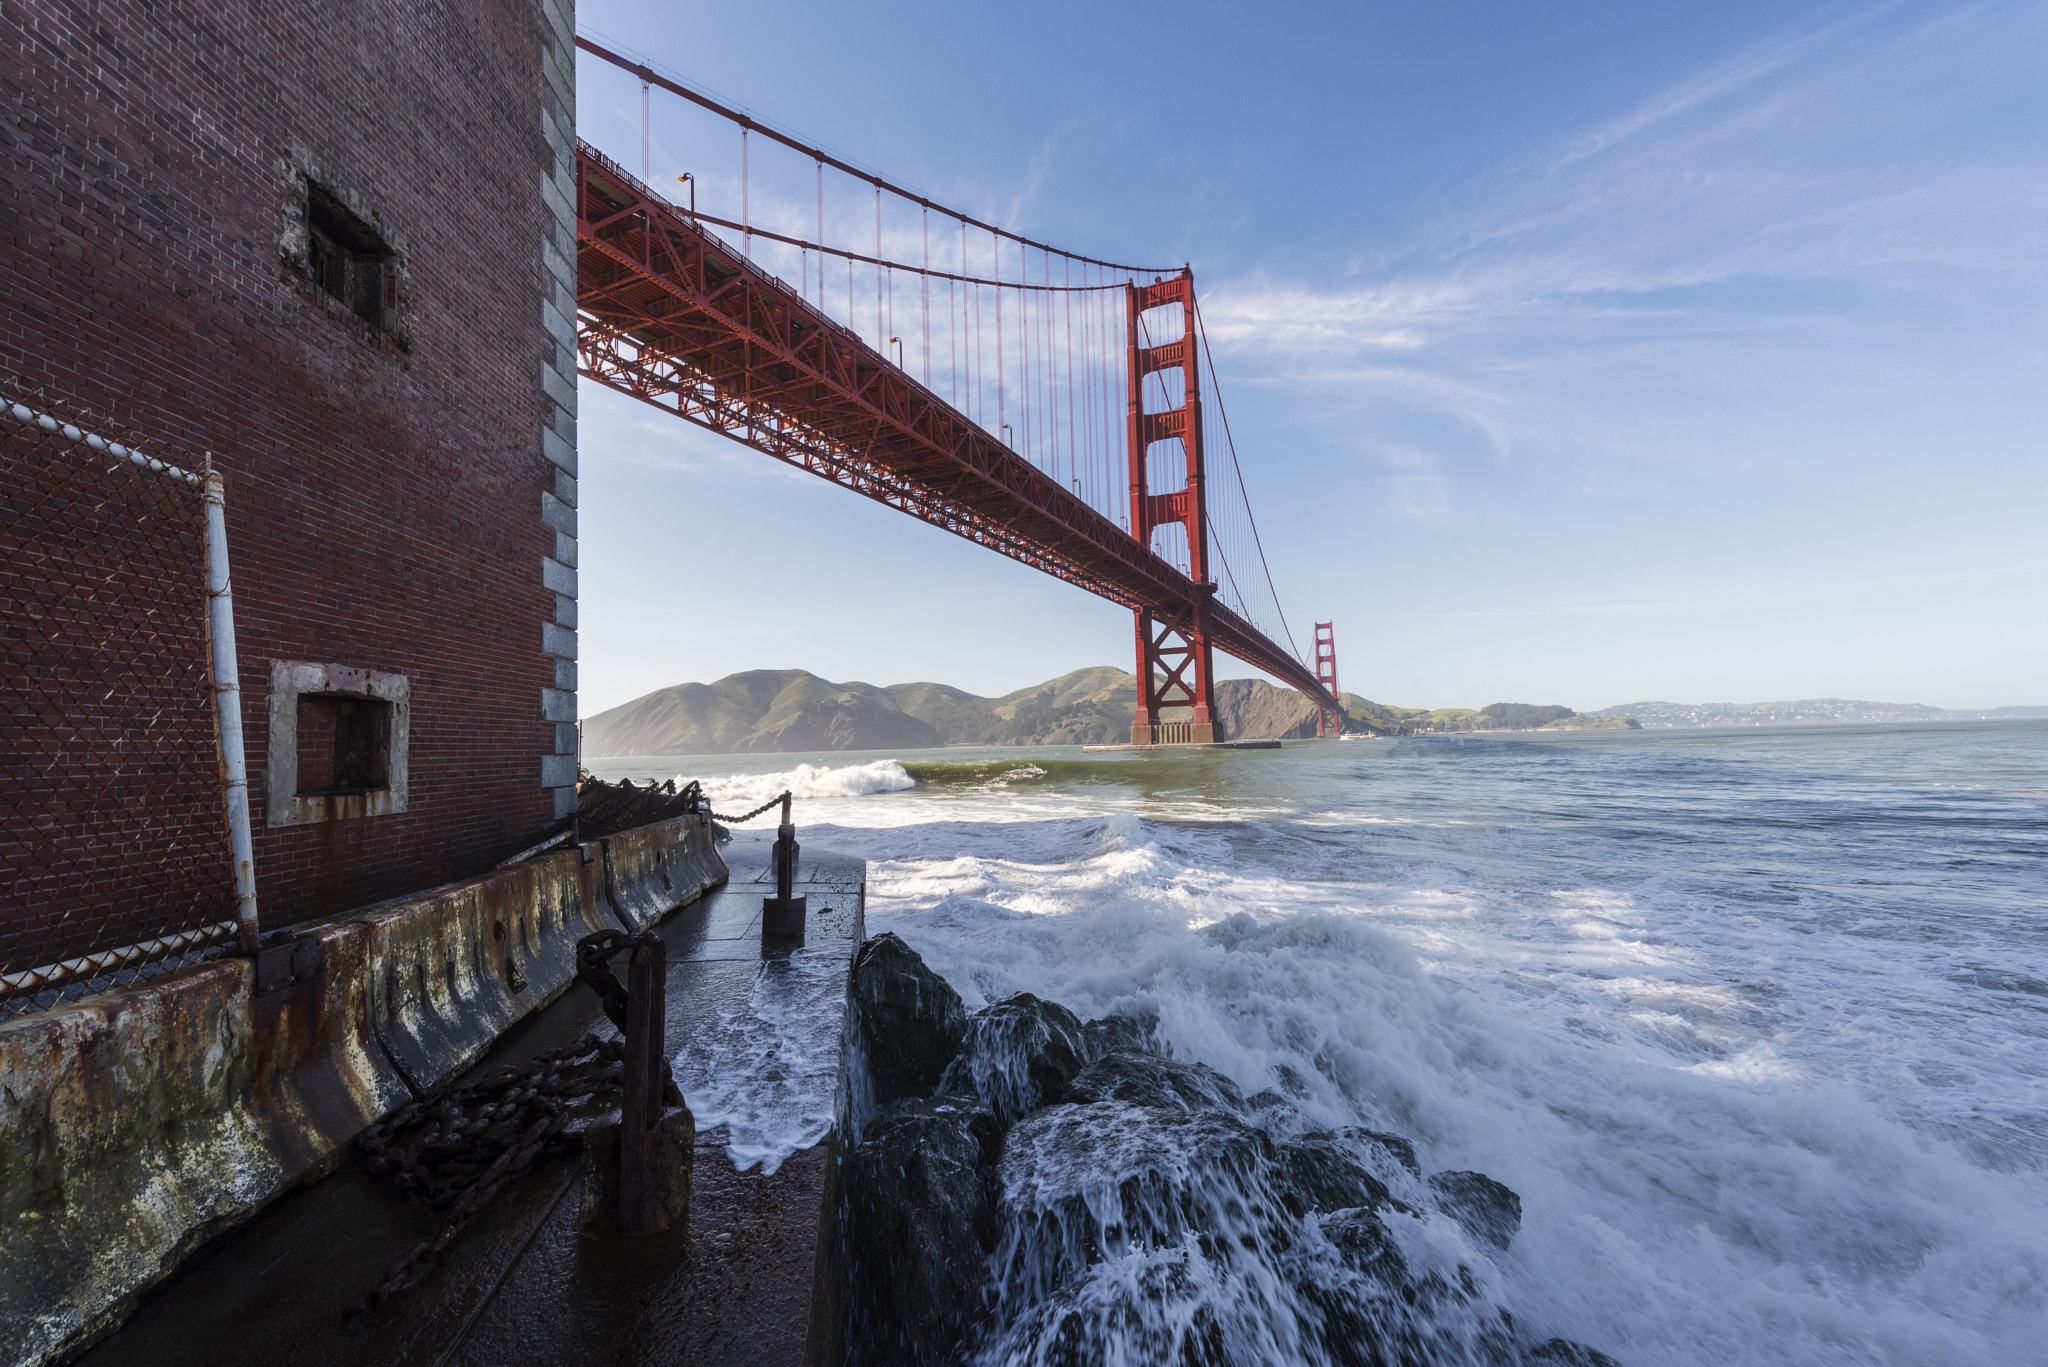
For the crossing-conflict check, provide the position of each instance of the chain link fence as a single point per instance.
(114, 851)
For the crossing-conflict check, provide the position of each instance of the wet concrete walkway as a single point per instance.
(751, 1279)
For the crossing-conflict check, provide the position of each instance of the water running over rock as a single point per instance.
(1071, 1198)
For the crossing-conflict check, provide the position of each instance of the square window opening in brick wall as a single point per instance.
(344, 744)
(348, 258)
(338, 743)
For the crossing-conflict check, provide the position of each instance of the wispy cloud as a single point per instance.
(1809, 159)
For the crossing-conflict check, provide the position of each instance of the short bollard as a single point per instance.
(782, 916)
(636, 1175)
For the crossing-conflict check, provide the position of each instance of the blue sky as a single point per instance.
(1575, 353)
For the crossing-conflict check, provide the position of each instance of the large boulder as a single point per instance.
(921, 1201)
(1151, 1174)
(1487, 1211)
(1393, 1145)
(1320, 1172)
(911, 1020)
(1149, 1080)
(1366, 1247)
(1111, 1033)
(1019, 1055)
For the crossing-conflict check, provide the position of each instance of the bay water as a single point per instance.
(1754, 1021)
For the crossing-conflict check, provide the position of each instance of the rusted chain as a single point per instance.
(461, 1149)
(476, 1138)
(775, 801)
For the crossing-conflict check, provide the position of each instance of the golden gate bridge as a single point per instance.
(1036, 401)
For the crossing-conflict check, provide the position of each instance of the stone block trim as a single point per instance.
(558, 390)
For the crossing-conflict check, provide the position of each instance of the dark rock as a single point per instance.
(1173, 1170)
(1389, 1148)
(1275, 1114)
(1320, 1172)
(911, 1020)
(922, 1221)
(1565, 1353)
(1362, 1240)
(1402, 1150)
(1381, 1314)
(1018, 1055)
(1483, 1208)
(1149, 1080)
(1399, 1149)
(1088, 1324)
(1111, 1033)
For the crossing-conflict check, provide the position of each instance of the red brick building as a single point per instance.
(334, 246)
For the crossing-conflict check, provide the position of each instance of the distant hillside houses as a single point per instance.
(1808, 712)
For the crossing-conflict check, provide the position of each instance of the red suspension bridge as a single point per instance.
(1042, 403)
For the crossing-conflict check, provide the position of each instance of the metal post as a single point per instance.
(785, 852)
(227, 708)
(642, 1107)
(782, 916)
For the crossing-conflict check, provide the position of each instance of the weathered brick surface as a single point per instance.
(385, 496)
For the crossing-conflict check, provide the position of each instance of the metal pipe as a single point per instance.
(227, 708)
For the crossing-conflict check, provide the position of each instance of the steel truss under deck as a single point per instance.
(672, 315)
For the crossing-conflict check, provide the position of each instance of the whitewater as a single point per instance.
(1755, 1022)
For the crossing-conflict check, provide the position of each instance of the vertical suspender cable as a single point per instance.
(995, 251)
(1024, 302)
(975, 380)
(959, 392)
(643, 132)
(925, 284)
(746, 219)
(821, 237)
(1073, 448)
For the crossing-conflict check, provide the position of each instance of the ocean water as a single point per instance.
(1755, 1022)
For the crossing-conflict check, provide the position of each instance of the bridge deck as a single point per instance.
(674, 316)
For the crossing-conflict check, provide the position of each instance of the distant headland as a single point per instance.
(775, 711)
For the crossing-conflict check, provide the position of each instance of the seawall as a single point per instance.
(137, 1126)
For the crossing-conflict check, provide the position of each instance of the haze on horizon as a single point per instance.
(1583, 355)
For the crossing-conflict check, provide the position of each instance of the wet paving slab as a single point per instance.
(751, 1277)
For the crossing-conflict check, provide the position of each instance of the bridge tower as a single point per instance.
(1176, 667)
(1329, 719)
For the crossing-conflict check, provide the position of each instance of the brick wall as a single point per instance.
(400, 499)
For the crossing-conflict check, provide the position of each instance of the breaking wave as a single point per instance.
(808, 781)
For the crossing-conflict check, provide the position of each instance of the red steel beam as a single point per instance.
(675, 317)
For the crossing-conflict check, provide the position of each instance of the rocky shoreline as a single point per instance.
(1022, 1186)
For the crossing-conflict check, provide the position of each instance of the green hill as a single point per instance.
(782, 710)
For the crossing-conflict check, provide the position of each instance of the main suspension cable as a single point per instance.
(746, 122)
(1230, 444)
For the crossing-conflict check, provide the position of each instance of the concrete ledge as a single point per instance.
(318, 1077)
(652, 870)
(136, 1125)
(124, 1144)
(451, 969)
(752, 1279)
